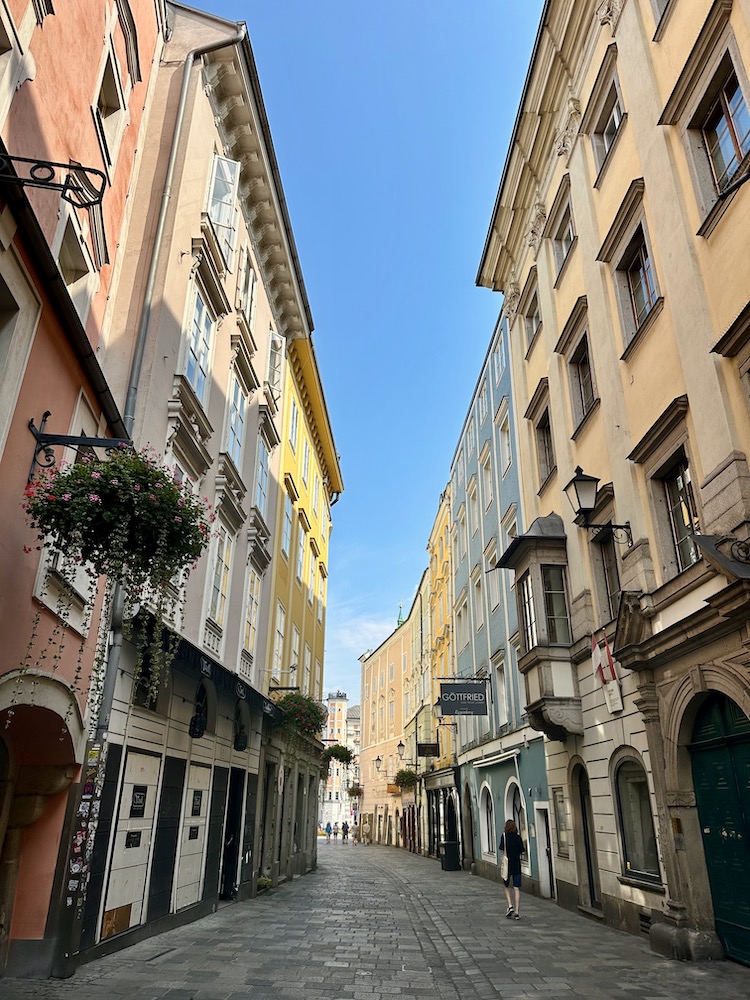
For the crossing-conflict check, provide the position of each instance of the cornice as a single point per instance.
(671, 418)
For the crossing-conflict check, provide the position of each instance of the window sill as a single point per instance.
(610, 152)
(585, 419)
(532, 342)
(643, 329)
(642, 883)
(550, 476)
(564, 263)
(722, 203)
(681, 584)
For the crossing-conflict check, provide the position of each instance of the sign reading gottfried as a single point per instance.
(464, 699)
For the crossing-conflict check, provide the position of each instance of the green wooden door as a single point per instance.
(721, 776)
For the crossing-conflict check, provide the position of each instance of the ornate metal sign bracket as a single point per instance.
(83, 187)
(45, 444)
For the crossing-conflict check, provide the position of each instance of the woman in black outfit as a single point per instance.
(511, 843)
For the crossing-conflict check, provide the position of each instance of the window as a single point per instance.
(462, 532)
(498, 355)
(199, 346)
(301, 538)
(247, 289)
(493, 580)
(473, 510)
(221, 204)
(561, 823)
(532, 319)
(311, 579)
(308, 667)
(505, 450)
(77, 266)
(110, 111)
(261, 482)
(321, 597)
(482, 403)
(604, 115)
(528, 612)
(683, 516)
(609, 571)
(487, 481)
(275, 358)
(500, 695)
(278, 639)
(640, 858)
(286, 536)
(293, 424)
(544, 451)
(294, 662)
(556, 605)
(236, 430)
(392, 671)
(637, 265)
(220, 576)
(470, 437)
(726, 131)
(462, 626)
(252, 603)
(487, 822)
(305, 461)
(563, 237)
(581, 380)
(316, 493)
(609, 122)
(478, 604)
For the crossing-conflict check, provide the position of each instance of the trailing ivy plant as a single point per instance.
(354, 791)
(406, 778)
(133, 521)
(336, 752)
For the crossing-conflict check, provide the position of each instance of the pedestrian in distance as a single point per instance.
(355, 835)
(344, 832)
(366, 833)
(328, 832)
(335, 832)
(513, 846)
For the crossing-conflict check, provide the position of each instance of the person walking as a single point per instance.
(344, 832)
(335, 832)
(513, 846)
(366, 833)
(328, 832)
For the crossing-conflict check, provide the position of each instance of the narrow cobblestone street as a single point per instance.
(374, 923)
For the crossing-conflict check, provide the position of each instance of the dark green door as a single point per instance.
(721, 775)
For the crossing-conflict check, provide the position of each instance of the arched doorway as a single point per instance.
(586, 842)
(720, 757)
(468, 825)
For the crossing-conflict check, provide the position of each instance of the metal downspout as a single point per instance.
(118, 601)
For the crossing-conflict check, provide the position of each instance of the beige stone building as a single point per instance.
(619, 239)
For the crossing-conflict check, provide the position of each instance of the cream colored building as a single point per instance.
(619, 239)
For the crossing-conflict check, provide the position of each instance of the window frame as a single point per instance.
(194, 344)
(226, 232)
(649, 877)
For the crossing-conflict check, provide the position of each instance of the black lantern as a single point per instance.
(581, 492)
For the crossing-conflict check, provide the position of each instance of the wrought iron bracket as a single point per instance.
(82, 186)
(621, 533)
(45, 444)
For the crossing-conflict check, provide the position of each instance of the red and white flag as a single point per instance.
(597, 661)
(610, 660)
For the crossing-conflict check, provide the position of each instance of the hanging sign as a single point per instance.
(463, 698)
(428, 750)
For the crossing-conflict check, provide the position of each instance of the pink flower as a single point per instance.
(66, 496)
(115, 482)
(95, 498)
(137, 488)
(96, 475)
(179, 519)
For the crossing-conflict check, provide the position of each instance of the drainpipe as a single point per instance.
(118, 601)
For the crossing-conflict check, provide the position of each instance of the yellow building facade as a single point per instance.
(311, 483)
(619, 240)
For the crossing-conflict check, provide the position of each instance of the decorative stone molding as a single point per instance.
(512, 298)
(609, 12)
(536, 227)
(566, 135)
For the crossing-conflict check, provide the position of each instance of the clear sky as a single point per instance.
(391, 121)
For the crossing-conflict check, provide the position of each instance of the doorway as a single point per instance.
(232, 835)
(720, 758)
(544, 852)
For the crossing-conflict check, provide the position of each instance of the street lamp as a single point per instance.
(581, 492)
(378, 762)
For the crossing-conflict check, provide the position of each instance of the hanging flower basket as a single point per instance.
(301, 714)
(406, 778)
(337, 752)
(354, 791)
(129, 519)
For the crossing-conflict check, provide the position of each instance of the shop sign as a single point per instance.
(468, 698)
(428, 750)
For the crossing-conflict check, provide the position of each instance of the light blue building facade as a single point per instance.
(501, 760)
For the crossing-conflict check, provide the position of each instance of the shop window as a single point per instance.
(640, 858)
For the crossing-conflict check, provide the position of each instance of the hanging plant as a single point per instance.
(337, 752)
(354, 791)
(406, 778)
(129, 519)
(301, 714)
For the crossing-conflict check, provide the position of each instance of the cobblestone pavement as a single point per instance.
(376, 923)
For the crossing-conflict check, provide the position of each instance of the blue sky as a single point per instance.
(391, 121)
